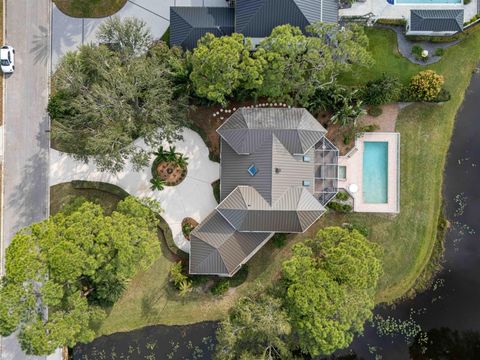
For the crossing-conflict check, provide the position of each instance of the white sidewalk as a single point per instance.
(193, 197)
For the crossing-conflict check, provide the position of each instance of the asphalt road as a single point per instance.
(26, 140)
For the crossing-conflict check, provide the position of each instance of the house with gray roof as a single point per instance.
(277, 173)
(188, 24)
(435, 21)
(253, 18)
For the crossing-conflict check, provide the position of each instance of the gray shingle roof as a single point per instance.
(436, 20)
(189, 24)
(217, 248)
(257, 18)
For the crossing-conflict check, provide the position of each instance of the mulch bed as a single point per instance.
(189, 221)
(171, 173)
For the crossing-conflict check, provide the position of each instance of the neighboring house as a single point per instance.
(435, 22)
(253, 18)
(188, 24)
(278, 171)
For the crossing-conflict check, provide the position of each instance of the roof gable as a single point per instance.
(248, 128)
(436, 20)
(189, 24)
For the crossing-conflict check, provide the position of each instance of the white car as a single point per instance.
(7, 59)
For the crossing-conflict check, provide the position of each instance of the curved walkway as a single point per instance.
(405, 46)
(191, 198)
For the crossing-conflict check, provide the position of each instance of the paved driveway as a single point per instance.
(26, 145)
(68, 32)
(193, 197)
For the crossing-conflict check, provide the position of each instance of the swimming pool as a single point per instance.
(375, 172)
(428, 1)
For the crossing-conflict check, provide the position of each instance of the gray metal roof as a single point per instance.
(247, 211)
(248, 128)
(189, 24)
(217, 248)
(257, 18)
(278, 170)
(436, 20)
(287, 148)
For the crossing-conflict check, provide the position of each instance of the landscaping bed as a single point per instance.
(89, 8)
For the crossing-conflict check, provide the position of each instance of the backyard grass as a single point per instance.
(408, 239)
(62, 194)
(89, 8)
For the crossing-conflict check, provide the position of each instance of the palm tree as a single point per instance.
(181, 161)
(184, 287)
(160, 154)
(157, 184)
(171, 154)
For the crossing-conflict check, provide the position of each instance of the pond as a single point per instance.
(449, 313)
(193, 342)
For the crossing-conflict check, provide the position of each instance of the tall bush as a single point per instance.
(426, 85)
(386, 89)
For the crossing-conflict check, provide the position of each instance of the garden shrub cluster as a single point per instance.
(394, 22)
(181, 281)
(338, 207)
(220, 287)
(342, 196)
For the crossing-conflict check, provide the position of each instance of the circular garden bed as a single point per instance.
(188, 224)
(169, 167)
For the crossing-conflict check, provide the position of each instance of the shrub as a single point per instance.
(342, 196)
(362, 229)
(375, 111)
(443, 96)
(439, 51)
(220, 287)
(426, 85)
(176, 274)
(368, 128)
(466, 2)
(341, 208)
(417, 50)
(240, 277)
(394, 22)
(386, 89)
(279, 240)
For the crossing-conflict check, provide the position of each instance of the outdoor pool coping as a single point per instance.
(354, 163)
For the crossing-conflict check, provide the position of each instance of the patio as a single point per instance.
(353, 180)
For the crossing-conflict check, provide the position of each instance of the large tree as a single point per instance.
(298, 64)
(257, 328)
(329, 284)
(222, 66)
(106, 96)
(62, 271)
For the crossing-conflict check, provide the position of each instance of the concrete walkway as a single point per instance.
(68, 32)
(193, 197)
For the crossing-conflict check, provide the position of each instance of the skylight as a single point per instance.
(252, 170)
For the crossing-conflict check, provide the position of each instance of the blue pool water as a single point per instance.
(428, 1)
(375, 172)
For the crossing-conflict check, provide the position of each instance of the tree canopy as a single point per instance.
(257, 328)
(287, 65)
(72, 264)
(223, 65)
(106, 96)
(329, 284)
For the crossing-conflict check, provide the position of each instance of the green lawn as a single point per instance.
(408, 239)
(89, 8)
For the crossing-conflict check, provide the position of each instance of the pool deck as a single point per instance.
(354, 164)
(382, 10)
